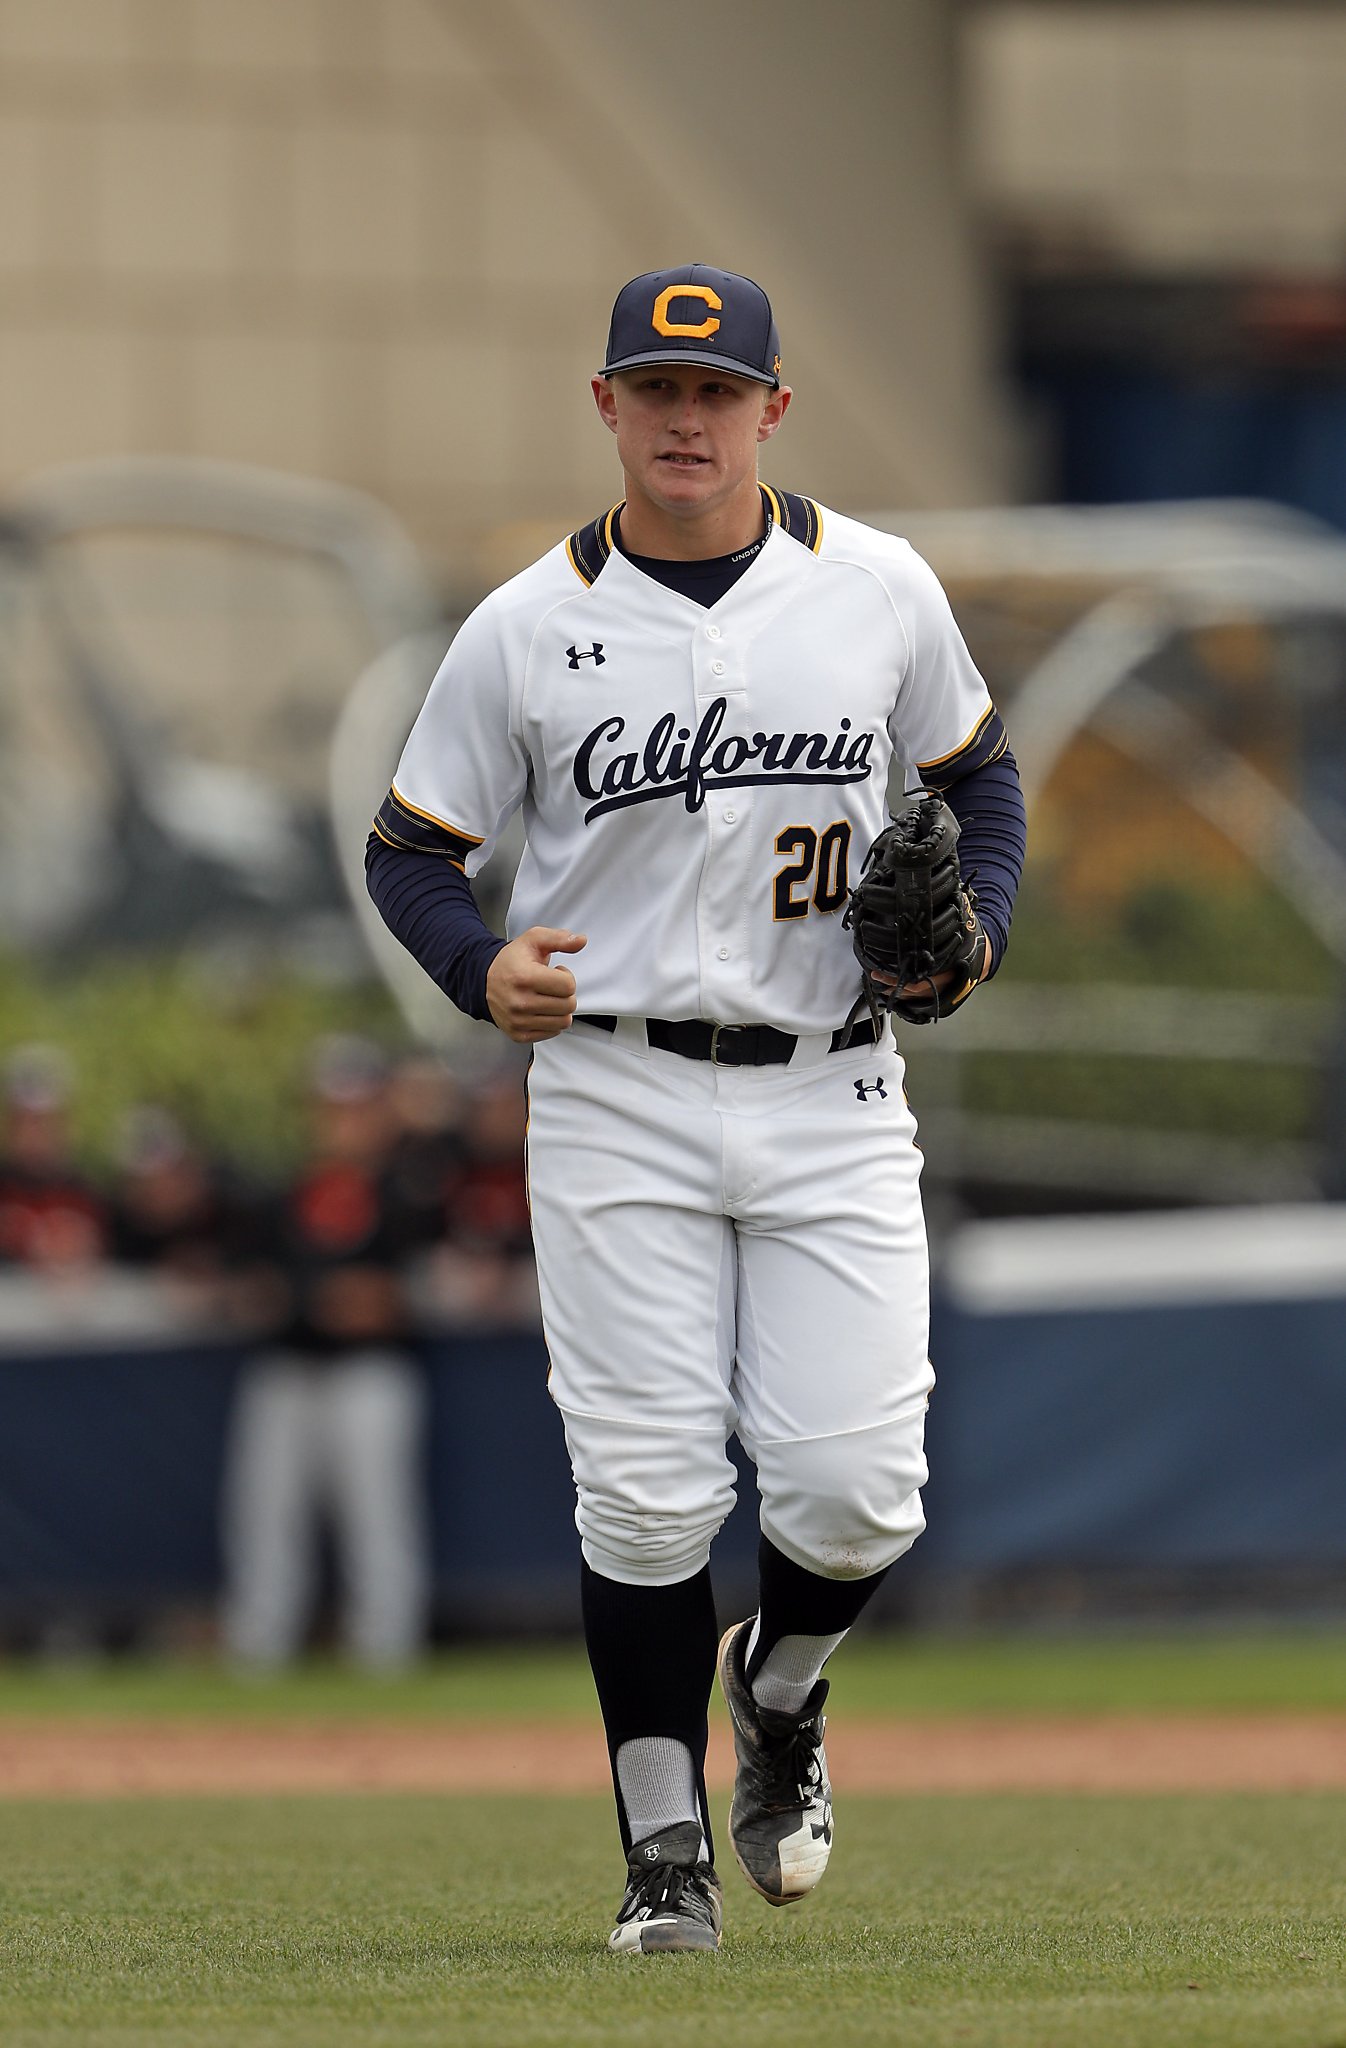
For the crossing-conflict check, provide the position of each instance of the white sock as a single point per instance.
(658, 1785)
(790, 1670)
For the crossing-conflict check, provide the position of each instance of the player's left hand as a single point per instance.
(913, 919)
(945, 980)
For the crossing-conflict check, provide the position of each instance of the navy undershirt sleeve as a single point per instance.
(428, 904)
(989, 807)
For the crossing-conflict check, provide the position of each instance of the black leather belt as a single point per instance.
(733, 1045)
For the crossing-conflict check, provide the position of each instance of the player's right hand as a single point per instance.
(528, 997)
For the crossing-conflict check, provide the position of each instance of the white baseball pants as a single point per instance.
(732, 1248)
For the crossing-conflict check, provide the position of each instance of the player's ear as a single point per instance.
(605, 398)
(774, 411)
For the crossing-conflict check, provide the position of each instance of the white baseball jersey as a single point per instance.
(699, 786)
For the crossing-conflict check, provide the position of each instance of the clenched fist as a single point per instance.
(528, 997)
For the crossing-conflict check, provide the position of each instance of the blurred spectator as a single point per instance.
(428, 1150)
(330, 1415)
(1332, 1109)
(172, 1213)
(52, 1219)
(483, 1274)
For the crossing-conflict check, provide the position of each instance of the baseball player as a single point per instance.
(696, 700)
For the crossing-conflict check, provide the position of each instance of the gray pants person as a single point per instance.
(337, 1440)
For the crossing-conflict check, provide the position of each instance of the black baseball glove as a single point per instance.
(911, 916)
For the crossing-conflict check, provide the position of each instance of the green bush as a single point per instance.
(223, 1043)
(1174, 936)
(1225, 1098)
(1237, 938)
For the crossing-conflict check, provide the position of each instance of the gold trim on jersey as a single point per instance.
(795, 515)
(987, 728)
(938, 760)
(589, 547)
(409, 829)
(473, 838)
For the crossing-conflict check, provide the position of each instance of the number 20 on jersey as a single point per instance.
(816, 878)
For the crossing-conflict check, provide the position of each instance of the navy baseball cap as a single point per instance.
(695, 315)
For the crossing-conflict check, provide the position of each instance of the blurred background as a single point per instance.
(298, 306)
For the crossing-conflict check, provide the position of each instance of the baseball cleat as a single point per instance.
(672, 1898)
(780, 1822)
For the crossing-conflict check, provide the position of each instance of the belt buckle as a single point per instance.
(717, 1031)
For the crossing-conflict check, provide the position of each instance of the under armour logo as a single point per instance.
(864, 1089)
(594, 654)
(651, 1852)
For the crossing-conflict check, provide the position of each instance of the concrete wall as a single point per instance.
(378, 240)
(1170, 137)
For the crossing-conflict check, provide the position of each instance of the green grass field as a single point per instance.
(1014, 1674)
(393, 1922)
(1009, 1923)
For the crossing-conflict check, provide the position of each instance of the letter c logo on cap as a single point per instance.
(661, 323)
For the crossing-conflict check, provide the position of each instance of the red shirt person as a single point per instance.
(52, 1218)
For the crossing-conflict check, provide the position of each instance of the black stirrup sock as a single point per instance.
(652, 1652)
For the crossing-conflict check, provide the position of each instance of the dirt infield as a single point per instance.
(1122, 1754)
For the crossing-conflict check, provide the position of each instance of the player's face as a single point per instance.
(688, 437)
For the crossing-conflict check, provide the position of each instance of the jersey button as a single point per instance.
(717, 668)
(723, 953)
(712, 632)
(730, 817)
